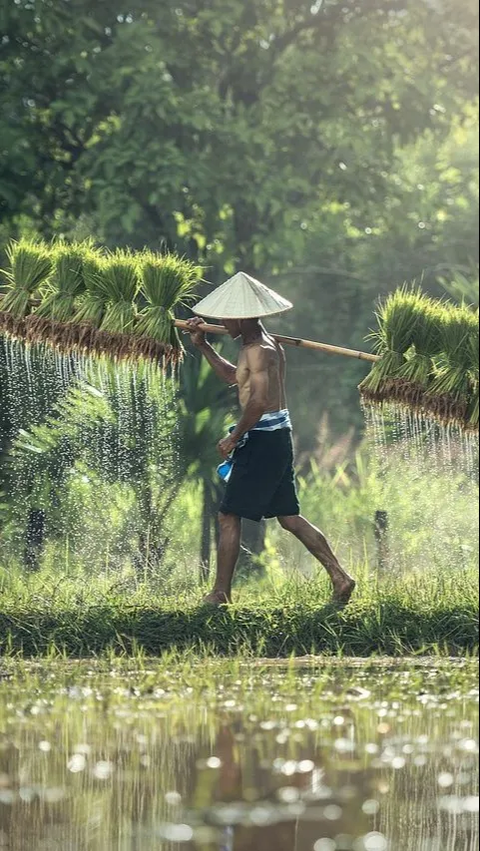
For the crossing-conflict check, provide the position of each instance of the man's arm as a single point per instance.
(258, 361)
(225, 370)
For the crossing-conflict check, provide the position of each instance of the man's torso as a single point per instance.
(277, 400)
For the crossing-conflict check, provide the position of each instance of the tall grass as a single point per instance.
(278, 617)
(93, 592)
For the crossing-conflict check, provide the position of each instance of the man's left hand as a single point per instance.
(227, 446)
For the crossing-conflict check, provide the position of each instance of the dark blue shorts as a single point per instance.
(262, 482)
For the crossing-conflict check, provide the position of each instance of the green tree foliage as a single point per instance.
(117, 426)
(222, 121)
(327, 147)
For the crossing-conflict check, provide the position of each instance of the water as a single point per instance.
(429, 487)
(421, 439)
(212, 756)
(109, 426)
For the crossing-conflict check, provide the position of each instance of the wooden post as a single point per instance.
(34, 537)
(381, 537)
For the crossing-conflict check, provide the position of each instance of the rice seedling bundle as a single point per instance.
(77, 298)
(455, 380)
(57, 297)
(429, 358)
(90, 304)
(119, 282)
(397, 318)
(30, 265)
(66, 281)
(414, 376)
(120, 305)
(167, 282)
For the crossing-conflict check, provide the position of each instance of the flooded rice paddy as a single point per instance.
(230, 756)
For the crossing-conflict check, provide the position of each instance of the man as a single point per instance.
(258, 452)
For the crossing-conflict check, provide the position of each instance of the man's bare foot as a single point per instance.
(216, 598)
(343, 593)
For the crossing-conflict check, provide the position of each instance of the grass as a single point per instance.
(418, 613)
(87, 600)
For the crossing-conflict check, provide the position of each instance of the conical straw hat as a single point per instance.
(242, 297)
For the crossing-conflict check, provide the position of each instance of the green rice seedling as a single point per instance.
(429, 358)
(54, 320)
(66, 282)
(397, 318)
(119, 282)
(30, 265)
(48, 321)
(416, 373)
(167, 281)
(91, 302)
(451, 389)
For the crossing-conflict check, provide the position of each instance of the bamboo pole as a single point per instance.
(288, 341)
(291, 341)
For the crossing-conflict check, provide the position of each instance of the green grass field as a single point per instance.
(89, 599)
(278, 616)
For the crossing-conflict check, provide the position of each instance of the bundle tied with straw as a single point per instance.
(396, 318)
(167, 282)
(429, 359)
(49, 321)
(119, 281)
(30, 265)
(77, 298)
(455, 379)
(106, 309)
(414, 376)
(90, 306)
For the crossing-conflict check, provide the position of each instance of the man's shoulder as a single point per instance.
(260, 356)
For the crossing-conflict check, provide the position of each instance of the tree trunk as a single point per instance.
(206, 533)
(34, 537)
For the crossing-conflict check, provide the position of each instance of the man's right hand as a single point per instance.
(197, 336)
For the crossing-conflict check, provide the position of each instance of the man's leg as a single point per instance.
(228, 552)
(317, 544)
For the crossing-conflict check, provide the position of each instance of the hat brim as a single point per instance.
(259, 315)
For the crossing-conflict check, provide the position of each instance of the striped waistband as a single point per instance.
(273, 421)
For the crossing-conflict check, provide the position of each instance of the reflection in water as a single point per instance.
(218, 758)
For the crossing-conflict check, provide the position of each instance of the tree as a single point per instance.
(275, 135)
(223, 125)
(119, 427)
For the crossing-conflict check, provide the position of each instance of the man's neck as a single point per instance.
(252, 331)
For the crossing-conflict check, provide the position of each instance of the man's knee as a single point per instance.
(228, 521)
(290, 524)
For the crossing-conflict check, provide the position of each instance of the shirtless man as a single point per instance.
(262, 480)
